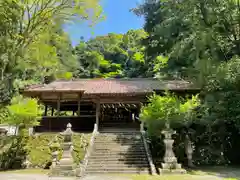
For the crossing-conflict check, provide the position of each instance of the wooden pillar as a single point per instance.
(78, 111)
(52, 111)
(58, 104)
(139, 107)
(46, 109)
(97, 112)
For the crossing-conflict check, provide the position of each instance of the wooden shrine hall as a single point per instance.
(84, 102)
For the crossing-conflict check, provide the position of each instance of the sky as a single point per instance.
(118, 20)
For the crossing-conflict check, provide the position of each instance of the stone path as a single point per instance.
(13, 176)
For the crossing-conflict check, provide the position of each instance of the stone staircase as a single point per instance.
(118, 151)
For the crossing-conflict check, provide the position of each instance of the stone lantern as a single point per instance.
(65, 165)
(170, 161)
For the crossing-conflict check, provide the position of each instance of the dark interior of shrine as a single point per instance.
(113, 113)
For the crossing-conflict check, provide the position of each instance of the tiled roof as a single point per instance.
(111, 86)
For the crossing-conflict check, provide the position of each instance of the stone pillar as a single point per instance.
(170, 164)
(31, 131)
(54, 146)
(189, 151)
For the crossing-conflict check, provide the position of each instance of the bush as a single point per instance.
(13, 156)
(168, 109)
(37, 150)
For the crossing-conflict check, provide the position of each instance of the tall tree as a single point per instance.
(191, 33)
(113, 55)
(26, 29)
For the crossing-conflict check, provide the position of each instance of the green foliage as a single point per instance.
(201, 41)
(113, 55)
(167, 109)
(189, 32)
(38, 150)
(13, 156)
(32, 42)
(24, 112)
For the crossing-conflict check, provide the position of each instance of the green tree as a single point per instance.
(24, 113)
(168, 109)
(26, 29)
(113, 55)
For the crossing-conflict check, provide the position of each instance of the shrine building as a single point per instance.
(104, 102)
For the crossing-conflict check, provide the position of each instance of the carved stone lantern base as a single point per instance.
(172, 171)
(170, 164)
(65, 165)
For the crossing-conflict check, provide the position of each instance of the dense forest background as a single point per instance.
(194, 40)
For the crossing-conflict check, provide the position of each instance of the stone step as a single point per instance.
(122, 131)
(109, 143)
(123, 158)
(91, 158)
(116, 156)
(117, 142)
(126, 154)
(62, 173)
(118, 153)
(123, 146)
(117, 169)
(114, 150)
(119, 125)
(63, 168)
(117, 172)
(119, 134)
(114, 124)
(120, 149)
(118, 163)
(114, 144)
(130, 143)
(118, 166)
(132, 146)
(118, 139)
